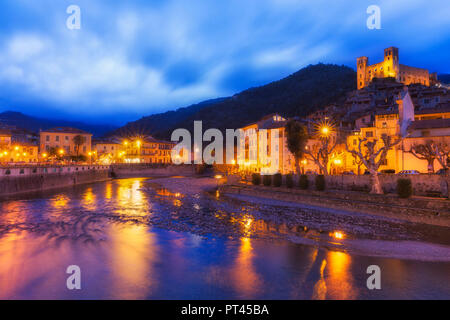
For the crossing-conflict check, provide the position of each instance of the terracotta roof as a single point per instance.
(5, 132)
(66, 130)
(430, 124)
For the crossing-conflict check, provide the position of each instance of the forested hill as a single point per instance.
(304, 91)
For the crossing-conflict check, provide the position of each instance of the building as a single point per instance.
(414, 128)
(66, 140)
(107, 151)
(147, 150)
(253, 159)
(390, 67)
(12, 151)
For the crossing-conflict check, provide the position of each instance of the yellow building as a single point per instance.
(16, 152)
(390, 67)
(147, 150)
(64, 140)
(108, 151)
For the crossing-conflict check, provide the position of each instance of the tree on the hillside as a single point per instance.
(78, 140)
(372, 158)
(426, 152)
(297, 137)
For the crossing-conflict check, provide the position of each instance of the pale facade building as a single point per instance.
(63, 139)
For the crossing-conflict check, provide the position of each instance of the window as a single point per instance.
(384, 162)
(47, 138)
(369, 134)
(384, 124)
(67, 138)
(57, 138)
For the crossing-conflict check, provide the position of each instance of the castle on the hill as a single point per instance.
(391, 67)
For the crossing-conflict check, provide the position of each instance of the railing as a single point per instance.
(7, 171)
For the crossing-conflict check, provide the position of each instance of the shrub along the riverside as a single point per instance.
(303, 182)
(277, 179)
(320, 182)
(404, 188)
(267, 180)
(289, 180)
(256, 179)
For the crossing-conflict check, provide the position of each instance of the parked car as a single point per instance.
(443, 171)
(409, 172)
(388, 171)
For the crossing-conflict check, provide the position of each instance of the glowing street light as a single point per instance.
(61, 151)
(325, 130)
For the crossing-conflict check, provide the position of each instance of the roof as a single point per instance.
(5, 132)
(432, 110)
(66, 130)
(430, 124)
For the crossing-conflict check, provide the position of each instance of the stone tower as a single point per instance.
(391, 66)
(361, 65)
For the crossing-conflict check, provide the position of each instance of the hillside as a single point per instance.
(20, 120)
(444, 78)
(302, 92)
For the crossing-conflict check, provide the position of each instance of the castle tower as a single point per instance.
(391, 65)
(361, 67)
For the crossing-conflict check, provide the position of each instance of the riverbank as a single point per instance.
(416, 209)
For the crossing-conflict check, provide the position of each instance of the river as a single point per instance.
(134, 239)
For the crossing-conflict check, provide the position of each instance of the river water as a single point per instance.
(134, 239)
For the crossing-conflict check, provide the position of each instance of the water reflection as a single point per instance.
(340, 280)
(246, 280)
(134, 244)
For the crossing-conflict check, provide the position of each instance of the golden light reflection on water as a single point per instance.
(131, 200)
(60, 201)
(133, 247)
(320, 288)
(89, 199)
(245, 278)
(339, 276)
(133, 253)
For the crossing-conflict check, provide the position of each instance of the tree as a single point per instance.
(320, 151)
(78, 140)
(296, 136)
(373, 158)
(442, 151)
(426, 152)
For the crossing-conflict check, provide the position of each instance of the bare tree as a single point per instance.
(426, 151)
(373, 158)
(442, 151)
(320, 152)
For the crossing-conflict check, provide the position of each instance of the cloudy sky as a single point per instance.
(133, 58)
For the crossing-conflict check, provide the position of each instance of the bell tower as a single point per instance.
(361, 70)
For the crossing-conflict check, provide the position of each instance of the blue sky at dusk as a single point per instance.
(134, 58)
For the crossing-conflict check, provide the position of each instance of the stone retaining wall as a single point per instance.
(416, 209)
(16, 180)
(149, 170)
(422, 184)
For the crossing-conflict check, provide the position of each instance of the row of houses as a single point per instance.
(427, 126)
(65, 143)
